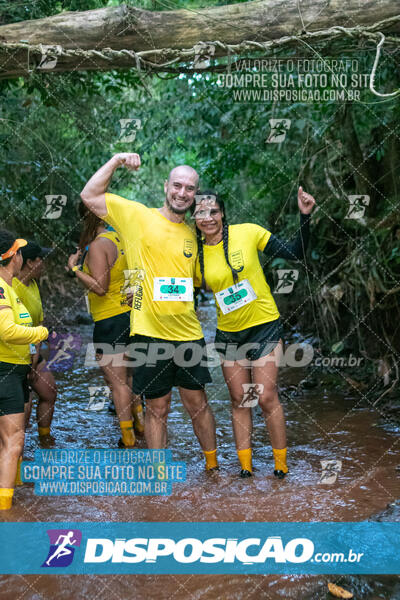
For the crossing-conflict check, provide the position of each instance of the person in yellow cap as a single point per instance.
(41, 379)
(249, 329)
(101, 270)
(17, 342)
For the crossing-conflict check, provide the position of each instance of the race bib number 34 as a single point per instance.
(173, 288)
(235, 296)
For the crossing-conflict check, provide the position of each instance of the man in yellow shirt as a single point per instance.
(41, 379)
(161, 252)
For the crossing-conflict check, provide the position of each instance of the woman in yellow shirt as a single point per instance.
(41, 379)
(249, 330)
(101, 270)
(17, 342)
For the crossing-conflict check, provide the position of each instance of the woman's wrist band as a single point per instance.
(75, 269)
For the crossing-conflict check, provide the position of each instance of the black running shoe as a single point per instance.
(122, 445)
(213, 469)
(279, 474)
(244, 474)
(47, 441)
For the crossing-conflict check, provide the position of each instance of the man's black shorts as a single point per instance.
(112, 334)
(14, 389)
(183, 365)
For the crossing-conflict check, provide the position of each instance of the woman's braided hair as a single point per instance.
(225, 237)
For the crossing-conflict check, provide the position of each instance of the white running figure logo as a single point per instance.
(62, 350)
(62, 550)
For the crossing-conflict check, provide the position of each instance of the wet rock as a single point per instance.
(309, 383)
(83, 318)
(391, 512)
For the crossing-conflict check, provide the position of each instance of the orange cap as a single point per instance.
(19, 243)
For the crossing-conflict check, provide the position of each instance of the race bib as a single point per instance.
(235, 296)
(173, 288)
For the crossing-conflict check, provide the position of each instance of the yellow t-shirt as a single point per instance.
(245, 240)
(155, 247)
(18, 354)
(114, 302)
(30, 297)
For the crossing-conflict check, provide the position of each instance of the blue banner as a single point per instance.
(195, 548)
(103, 472)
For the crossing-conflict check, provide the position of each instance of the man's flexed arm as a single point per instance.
(93, 194)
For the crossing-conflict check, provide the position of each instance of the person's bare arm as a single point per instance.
(101, 256)
(93, 194)
(295, 249)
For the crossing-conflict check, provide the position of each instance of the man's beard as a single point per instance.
(177, 211)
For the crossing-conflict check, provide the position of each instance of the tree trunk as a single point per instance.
(356, 163)
(130, 28)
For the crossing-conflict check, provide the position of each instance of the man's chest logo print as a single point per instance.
(188, 248)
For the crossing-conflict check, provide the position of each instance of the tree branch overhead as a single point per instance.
(159, 36)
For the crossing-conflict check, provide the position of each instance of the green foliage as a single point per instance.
(57, 130)
(12, 11)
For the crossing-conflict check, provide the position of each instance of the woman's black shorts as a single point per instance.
(112, 334)
(251, 343)
(14, 389)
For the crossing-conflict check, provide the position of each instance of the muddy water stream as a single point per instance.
(322, 424)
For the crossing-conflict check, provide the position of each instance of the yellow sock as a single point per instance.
(128, 437)
(245, 459)
(280, 459)
(211, 459)
(137, 413)
(6, 495)
(43, 430)
(18, 480)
